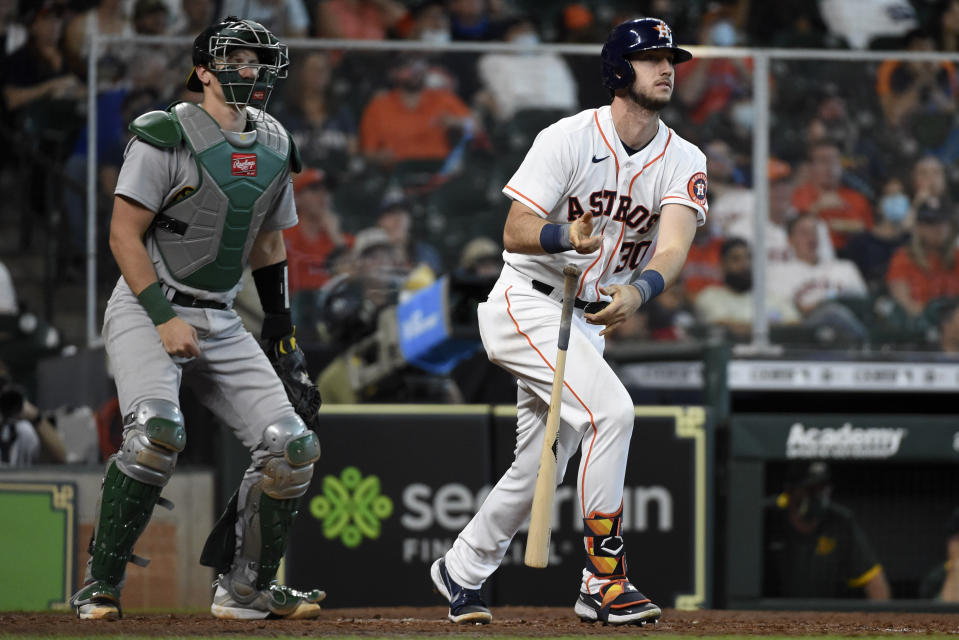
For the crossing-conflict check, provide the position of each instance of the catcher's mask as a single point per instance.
(212, 49)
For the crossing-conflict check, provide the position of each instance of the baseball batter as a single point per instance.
(619, 194)
(205, 190)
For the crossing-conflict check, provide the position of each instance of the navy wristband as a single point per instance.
(650, 284)
(554, 238)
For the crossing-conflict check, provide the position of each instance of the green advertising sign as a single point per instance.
(351, 507)
(37, 538)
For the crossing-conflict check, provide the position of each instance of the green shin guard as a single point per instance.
(125, 509)
(276, 520)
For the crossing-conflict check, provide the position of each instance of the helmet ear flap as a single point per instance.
(618, 73)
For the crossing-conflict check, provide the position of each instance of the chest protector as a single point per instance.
(205, 236)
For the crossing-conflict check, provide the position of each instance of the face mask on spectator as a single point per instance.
(894, 207)
(722, 34)
(435, 36)
(742, 115)
(739, 282)
(526, 40)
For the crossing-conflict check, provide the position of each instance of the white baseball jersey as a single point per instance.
(579, 164)
(576, 165)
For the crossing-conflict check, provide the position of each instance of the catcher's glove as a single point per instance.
(290, 364)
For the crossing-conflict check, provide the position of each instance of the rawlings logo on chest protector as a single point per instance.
(243, 164)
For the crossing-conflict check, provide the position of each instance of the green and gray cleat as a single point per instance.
(276, 601)
(97, 601)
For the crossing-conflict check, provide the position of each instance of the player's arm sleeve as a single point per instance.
(686, 184)
(146, 175)
(282, 213)
(863, 563)
(544, 175)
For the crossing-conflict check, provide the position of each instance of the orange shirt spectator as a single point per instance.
(703, 266)
(938, 281)
(410, 132)
(928, 268)
(845, 211)
(310, 243)
(851, 207)
(357, 19)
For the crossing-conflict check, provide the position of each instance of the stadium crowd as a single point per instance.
(406, 152)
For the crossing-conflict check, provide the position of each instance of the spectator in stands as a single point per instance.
(813, 285)
(788, 23)
(929, 185)
(737, 210)
(947, 22)
(473, 20)
(872, 250)
(154, 66)
(285, 18)
(429, 22)
(578, 24)
(815, 548)
(670, 316)
(528, 80)
(919, 101)
(823, 195)
(702, 262)
(322, 125)
(412, 122)
(481, 257)
(38, 71)
(42, 96)
(862, 159)
(377, 266)
(107, 17)
(949, 329)
(309, 244)
(942, 582)
(27, 436)
(357, 19)
(419, 260)
(710, 87)
(730, 200)
(730, 305)
(928, 267)
(194, 16)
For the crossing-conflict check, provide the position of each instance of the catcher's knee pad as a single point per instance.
(293, 450)
(154, 434)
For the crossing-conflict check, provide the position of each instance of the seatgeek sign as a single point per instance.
(394, 488)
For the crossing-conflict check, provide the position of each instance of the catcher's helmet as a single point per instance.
(213, 45)
(642, 34)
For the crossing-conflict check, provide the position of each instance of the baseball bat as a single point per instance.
(541, 515)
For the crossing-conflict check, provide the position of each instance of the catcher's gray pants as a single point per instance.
(231, 376)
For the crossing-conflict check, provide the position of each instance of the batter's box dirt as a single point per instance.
(507, 621)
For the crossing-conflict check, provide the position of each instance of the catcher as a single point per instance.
(204, 191)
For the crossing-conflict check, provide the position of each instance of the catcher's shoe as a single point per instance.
(618, 602)
(278, 601)
(97, 600)
(466, 605)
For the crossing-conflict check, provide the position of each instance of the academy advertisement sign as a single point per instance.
(396, 484)
(845, 437)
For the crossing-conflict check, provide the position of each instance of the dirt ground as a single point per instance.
(513, 621)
